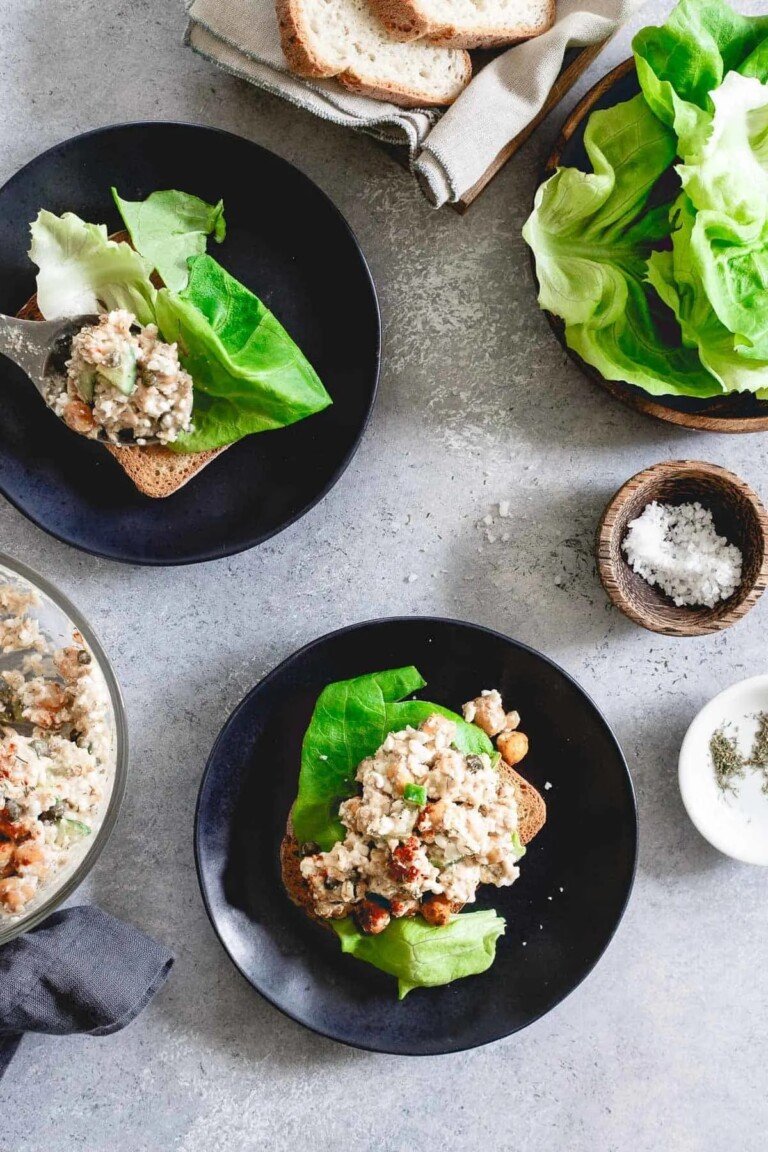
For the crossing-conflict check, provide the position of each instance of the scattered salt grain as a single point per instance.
(410, 579)
(504, 509)
(547, 785)
(558, 581)
(677, 548)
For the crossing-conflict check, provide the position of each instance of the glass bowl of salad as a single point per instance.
(63, 748)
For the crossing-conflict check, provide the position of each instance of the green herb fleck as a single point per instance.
(728, 762)
(758, 757)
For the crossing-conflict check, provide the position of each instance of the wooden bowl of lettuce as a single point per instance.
(649, 234)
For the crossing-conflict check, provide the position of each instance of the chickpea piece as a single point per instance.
(371, 917)
(487, 712)
(436, 909)
(513, 747)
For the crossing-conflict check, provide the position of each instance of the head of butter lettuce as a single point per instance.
(351, 720)
(656, 259)
(248, 374)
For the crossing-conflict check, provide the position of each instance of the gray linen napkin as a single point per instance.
(448, 153)
(80, 971)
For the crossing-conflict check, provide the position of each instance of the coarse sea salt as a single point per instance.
(677, 548)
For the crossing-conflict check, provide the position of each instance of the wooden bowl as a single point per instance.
(737, 412)
(738, 515)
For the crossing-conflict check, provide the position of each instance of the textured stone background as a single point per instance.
(664, 1045)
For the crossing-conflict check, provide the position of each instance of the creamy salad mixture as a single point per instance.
(429, 826)
(124, 383)
(56, 753)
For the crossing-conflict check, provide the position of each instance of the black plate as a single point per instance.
(288, 243)
(584, 859)
(735, 412)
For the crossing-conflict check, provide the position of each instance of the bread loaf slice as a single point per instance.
(154, 469)
(344, 39)
(466, 23)
(531, 818)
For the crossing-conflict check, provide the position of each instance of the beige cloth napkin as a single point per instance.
(449, 151)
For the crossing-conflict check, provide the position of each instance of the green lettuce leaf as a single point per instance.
(676, 279)
(350, 721)
(681, 62)
(82, 272)
(422, 956)
(249, 375)
(591, 236)
(725, 167)
(721, 245)
(168, 228)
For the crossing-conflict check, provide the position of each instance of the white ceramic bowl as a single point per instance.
(735, 824)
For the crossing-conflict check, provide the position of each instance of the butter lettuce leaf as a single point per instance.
(169, 228)
(676, 278)
(249, 374)
(725, 168)
(422, 956)
(592, 234)
(82, 272)
(350, 721)
(680, 63)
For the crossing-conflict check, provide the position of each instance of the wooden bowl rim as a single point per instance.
(708, 621)
(705, 421)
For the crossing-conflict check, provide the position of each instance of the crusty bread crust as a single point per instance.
(404, 98)
(155, 470)
(404, 20)
(301, 59)
(531, 814)
(295, 43)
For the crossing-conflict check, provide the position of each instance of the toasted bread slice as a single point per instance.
(155, 470)
(464, 23)
(344, 39)
(531, 814)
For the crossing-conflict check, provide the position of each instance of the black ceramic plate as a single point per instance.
(289, 244)
(584, 859)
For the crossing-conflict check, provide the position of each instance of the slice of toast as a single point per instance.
(344, 39)
(154, 469)
(465, 23)
(531, 815)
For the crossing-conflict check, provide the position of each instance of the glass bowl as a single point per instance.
(57, 618)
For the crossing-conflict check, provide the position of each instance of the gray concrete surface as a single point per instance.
(663, 1047)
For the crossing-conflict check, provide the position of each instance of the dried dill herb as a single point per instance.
(758, 757)
(729, 764)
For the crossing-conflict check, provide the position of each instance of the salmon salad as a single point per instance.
(427, 827)
(56, 753)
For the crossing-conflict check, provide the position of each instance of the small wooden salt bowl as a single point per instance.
(738, 515)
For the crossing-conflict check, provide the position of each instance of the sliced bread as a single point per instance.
(155, 470)
(531, 816)
(344, 39)
(466, 23)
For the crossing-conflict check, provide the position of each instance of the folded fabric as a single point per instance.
(448, 152)
(81, 971)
